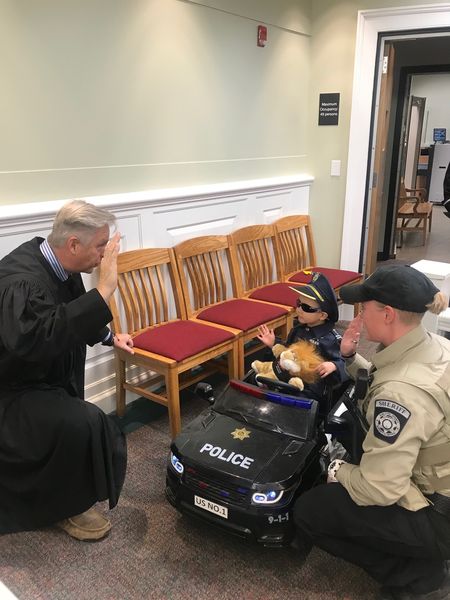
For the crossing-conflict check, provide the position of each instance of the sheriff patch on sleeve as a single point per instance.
(389, 420)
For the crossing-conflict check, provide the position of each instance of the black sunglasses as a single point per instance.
(306, 307)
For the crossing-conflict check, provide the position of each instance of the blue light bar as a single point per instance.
(288, 400)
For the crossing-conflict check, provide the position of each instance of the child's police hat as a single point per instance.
(320, 290)
(399, 286)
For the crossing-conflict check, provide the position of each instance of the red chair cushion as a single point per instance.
(336, 277)
(181, 339)
(280, 293)
(241, 314)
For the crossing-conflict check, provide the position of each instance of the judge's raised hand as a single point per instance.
(107, 281)
(350, 339)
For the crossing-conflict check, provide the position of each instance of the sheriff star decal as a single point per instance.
(241, 434)
(389, 420)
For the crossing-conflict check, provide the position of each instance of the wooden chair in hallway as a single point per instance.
(206, 274)
(255, 267)
(414, 212)
(149, 305)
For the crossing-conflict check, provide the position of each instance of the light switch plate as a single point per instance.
(335, 168)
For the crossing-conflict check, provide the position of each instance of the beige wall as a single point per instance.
(102, 96)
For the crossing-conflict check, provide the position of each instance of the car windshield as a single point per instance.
(297, 421)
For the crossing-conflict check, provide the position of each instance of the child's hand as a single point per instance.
(266, 335)
(326, 368)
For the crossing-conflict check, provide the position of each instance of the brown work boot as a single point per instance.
(89, 526)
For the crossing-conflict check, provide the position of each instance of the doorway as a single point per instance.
(395, 181)
(398, 23)
(422, 112)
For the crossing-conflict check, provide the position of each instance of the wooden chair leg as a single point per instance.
(430, 216)
(173, 401)
(233, 362)
(120, 390)
(424, 231)
(285, 330)
(241, 360)
(290, 322)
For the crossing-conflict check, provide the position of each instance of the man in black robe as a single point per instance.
(446, 186)
(59, 454)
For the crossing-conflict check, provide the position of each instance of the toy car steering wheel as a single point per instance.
(278, 386)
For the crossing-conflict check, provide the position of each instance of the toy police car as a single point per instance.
(242, 462)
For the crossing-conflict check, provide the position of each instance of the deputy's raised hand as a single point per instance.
(350, 339)
(107, 280)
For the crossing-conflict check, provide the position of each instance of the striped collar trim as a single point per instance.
(50, 257)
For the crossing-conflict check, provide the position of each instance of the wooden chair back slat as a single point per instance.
(140, 297)
(203, 267)
(144, 279)
(196, 276)
(122, 288)
(247, 255)
(254, 257)
(218, 272)
(295, 244)
(161, 305)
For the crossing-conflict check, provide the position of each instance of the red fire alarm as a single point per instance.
(262, 35)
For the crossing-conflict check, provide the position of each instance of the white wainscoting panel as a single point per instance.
(162, 218)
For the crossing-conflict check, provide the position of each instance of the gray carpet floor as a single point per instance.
(154, 553)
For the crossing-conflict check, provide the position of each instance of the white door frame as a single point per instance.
(370, 24)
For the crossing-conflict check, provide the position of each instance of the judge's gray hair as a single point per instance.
(79, 218)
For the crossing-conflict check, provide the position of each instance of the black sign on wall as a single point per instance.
(329, 109)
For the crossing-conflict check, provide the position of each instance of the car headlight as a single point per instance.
(176, 463)
(269, 497)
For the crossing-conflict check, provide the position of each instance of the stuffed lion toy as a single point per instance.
(293, 365)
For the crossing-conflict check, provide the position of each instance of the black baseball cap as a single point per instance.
(320, 290)
(399, 286)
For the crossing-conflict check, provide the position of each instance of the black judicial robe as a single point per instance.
(58, 453)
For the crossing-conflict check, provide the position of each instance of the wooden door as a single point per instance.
(411, 147)
(379, 185)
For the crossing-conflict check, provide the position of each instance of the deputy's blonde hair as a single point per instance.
(79, 218)
(440, 303)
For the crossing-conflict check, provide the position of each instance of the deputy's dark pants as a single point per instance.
(397, 547)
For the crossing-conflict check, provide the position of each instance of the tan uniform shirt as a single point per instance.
(408, 409)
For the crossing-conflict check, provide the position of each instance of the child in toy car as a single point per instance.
(317, 314)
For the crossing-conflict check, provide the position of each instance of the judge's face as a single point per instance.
(89, 254)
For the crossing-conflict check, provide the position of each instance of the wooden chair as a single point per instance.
(149, 305)
(205, 270)
(297, 255)
(414, 212)
(253, 255)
